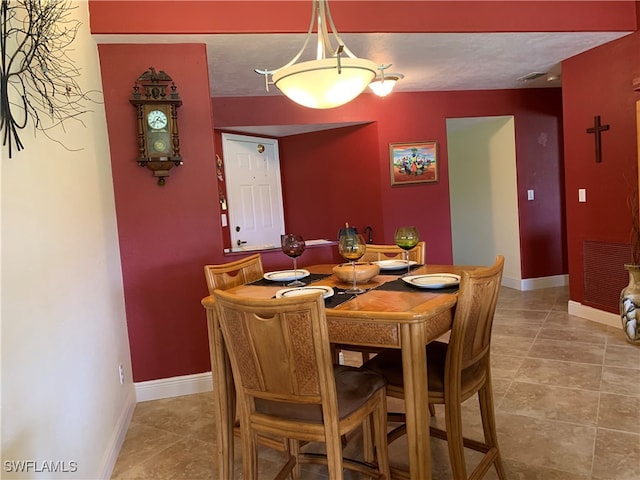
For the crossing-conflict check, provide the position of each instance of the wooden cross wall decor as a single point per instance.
(597, 130)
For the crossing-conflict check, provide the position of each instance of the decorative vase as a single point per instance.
(630, 305)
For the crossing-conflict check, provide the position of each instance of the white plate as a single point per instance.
(286, 275)
(294, 292)
(394, 264)
(433, 280)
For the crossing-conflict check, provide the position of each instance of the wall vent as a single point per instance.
(531, 76)
(604, 273)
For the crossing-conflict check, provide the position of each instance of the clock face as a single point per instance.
(157, 119)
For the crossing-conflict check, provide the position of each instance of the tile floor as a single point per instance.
(567, 394)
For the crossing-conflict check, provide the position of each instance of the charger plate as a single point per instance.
(433, 280)
(394, 264)
(294, 292)
(286, 275)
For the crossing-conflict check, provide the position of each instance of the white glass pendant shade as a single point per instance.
(383, 87)
(318, 84)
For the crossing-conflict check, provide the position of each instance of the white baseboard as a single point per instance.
(595, 315)
(118, 436)
(173, 387)
(536, 283)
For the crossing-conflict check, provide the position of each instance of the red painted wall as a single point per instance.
(400, 118)
(167, 233)
(329, 178)
(540, 167)
(599, 82)
(277, 16)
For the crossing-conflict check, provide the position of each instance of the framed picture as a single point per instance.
(415, 162)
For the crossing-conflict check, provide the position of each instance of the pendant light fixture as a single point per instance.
(334, 78)
(384, 82)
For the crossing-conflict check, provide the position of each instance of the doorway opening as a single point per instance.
(483, 193)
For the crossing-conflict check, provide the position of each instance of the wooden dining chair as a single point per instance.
(224, 276)
(227, 275)
(458, 370)
(287, 385)
(374, 253)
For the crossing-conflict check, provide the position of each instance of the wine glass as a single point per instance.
(406, 238)
(352, 247)
(293, 246)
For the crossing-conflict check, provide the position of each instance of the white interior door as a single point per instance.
(254, 191)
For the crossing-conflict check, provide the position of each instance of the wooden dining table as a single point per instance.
(405, 319)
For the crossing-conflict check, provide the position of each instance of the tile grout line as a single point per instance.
(595, 437)
(180, 438)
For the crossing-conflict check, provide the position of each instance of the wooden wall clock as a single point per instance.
(156, 100)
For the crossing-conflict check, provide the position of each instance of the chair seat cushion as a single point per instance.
(388, 363)
(354, 387)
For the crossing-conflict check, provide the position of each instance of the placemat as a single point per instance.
(338, 298)
(400, 271)
(400, 285)
(313, 277)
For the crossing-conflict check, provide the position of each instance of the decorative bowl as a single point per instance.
(364, 272)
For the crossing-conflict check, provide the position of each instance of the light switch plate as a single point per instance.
(582, 195)
(530, 195)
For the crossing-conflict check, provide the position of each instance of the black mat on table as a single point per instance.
(313, 277)
(400, 285)
(400, 271)
(338, 298)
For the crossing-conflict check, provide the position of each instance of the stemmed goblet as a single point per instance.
(293, 246)
(352, 247)
(406, 238)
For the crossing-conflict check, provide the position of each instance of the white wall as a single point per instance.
(483, 191)
(63, 320)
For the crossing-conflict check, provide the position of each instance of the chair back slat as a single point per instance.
(375, 253)
(277, 347)
(239, 272)
(470, 339)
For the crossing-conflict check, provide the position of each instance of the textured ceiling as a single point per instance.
(428, 61)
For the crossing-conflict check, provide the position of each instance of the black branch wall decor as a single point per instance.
(38, 80)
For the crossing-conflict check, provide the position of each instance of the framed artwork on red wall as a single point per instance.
(415, 162)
